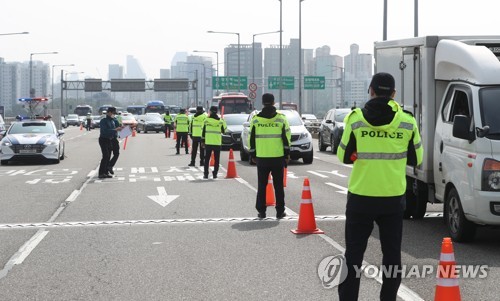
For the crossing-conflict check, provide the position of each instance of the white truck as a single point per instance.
(452, 86)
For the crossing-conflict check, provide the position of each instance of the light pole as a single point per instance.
(253, 50)
(32, 91)
(342, 71)
(217, 70)
(203, 92)
(239, 62)
(65, 80)
(300, 56)
(13, 33)
(281, 53)
(69, 65)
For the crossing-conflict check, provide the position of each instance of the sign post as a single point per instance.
(314, 82)
(286, 82)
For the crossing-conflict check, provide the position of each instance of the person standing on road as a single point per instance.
(89, 121)
(182, 128)
(167, 119)
(380, 140)
(115, 145)
(108, 131)
(270, 139)
(211, 140)
(195, 128)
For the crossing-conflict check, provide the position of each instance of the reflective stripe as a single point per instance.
(306, 201)
(342, 145)
(447, 282)
(381, 156)
(197, 125)
(357, 125)
(212, 132)
(406, 126)
(255, 120)
(268, 136)
(307, 188)
(447, 257)
(418, 145)
(279, 120)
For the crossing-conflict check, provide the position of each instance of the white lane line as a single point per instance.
(23, 252)
(404, 292)
(317, 174)
(342, 190)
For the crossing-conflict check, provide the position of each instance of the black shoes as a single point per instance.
(280, 215)
(205, 177)
(261, 215)
(105, 176)
(191, 164)
(110, 170)
(177, 153)
(187, 152)
(202, 163)
(214, 174)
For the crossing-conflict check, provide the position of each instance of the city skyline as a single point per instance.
(153, 32)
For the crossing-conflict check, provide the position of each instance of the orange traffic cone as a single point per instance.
(175, 135)
(307, 221)
(285, 172)
(212, 160)
(81, 126)
(231, 166)
(447, 281)
(134, 133)
(270, 198)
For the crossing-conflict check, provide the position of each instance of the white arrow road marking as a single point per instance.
(334, 172)
(342, 190)
(162, 198)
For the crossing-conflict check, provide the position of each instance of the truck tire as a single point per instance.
(322, 146)
(416, 203)
(461, 230)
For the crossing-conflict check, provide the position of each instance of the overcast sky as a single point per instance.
(94, 33)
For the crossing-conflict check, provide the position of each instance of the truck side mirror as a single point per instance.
(461, 128)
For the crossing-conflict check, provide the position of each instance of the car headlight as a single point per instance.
(6, 142)
(304, 135)
(51, 142)
(490, 175)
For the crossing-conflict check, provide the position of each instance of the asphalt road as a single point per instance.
(157, 231)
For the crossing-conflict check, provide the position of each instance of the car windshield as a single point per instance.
(128, 117)
(490, 110)
(31, 127)
(153, 118)
(292, 117)
(237, 119)
(96, 117)
(340, 115)
(309, 117)
(72, 116)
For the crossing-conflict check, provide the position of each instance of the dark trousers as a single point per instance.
(208, 153)
(359, 226)
(89, 122)
(183, 137)
(115, 150)
(168, 130)
(275, 167)
(106, 148)
(194, 150)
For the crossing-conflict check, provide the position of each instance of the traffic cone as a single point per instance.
(307, 221)
(212, 160)
(134, 133)
(447, 281)
(231, 167)
(175, 135)
(270, 198)
(285, 172)
(81, 126)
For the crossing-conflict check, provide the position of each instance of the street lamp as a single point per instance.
(281, 53)
(13, 33)
(204, 79)
(69, 65)
(253, 50)
(32, 91)
(300, 56)
(342, 72)
(239, 62)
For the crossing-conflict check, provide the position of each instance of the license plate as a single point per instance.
(27, 151)
(238, 139)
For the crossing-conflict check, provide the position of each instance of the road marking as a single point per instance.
(342, 190)
(163, 199)
(317, 174)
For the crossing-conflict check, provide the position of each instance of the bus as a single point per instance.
(233, 103)
(83, 110)
(155, 106)
(104, 108)
(136, 109)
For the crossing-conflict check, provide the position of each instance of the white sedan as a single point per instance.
(32, 139)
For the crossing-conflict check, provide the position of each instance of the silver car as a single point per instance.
(302, 143)
(32, 139)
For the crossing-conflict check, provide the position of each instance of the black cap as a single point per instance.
(267, 99)
(199, 109)
(111, 110)
(383, 84)
(213, 109)
(182, 111)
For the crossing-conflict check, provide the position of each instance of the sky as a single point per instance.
(92, 34)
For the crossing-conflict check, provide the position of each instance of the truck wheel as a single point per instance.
(461, 230)
(416, 204)
(243, 154)
(322, 146)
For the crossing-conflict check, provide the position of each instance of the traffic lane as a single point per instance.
(11, 242)
(224, 261)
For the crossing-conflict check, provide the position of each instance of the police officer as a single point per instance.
(270, 138)
(108, 130)
(115, 144)
(380, 139)
(211, 138)
(167, 119)
(196, 128)
(89, 121)
(182, 128)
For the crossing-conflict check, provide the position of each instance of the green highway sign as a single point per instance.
(287, 83)
(314, 82)
(229, 83)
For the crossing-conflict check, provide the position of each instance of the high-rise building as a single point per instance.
(331, 67)
(115, 71)
(357, 77)
(134, 69)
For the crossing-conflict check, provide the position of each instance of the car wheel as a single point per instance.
(250, 159)
(308, 158)
(62, 155)
(461, 230)
(4, 162)
(145, 131)
(157, 132)
(243, 154)
(322, 146)
(335, 145)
